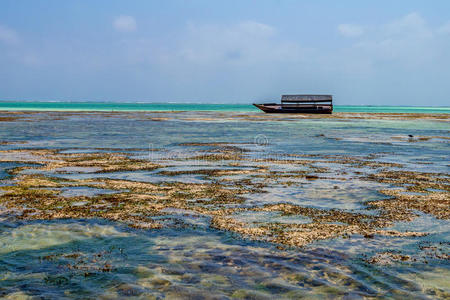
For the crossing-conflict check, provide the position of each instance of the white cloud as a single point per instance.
(408, 41)
(212, 46)
(240, 43)
(125, 24)
(445, 29)
(405, 58)
(350, 30)
(412, 23)
(255, 28)
(8, 36)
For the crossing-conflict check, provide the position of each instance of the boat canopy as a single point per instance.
(306, 98)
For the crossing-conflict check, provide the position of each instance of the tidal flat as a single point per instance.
(218, 205)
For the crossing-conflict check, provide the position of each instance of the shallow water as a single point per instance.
(81, 259)
(117, 106)
(98, 258)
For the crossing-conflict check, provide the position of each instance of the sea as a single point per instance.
(127, 106)
(94, 258)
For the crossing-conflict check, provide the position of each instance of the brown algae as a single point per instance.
(137, 203)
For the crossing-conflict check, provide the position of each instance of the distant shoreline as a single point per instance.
(236, 116)
(129, 106)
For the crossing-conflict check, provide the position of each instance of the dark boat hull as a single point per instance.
(272, 108)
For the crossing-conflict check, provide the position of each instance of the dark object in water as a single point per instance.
(308, 104)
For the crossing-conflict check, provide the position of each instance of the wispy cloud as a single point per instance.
(404, 58)
(240, 43)
(408, 40)
(350, 30)
(445, 29)
(250, 58)
(8, 36)
(125, 24)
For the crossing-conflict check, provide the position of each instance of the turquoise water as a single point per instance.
(116, 106)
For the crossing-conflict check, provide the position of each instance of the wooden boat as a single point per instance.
(294, 104)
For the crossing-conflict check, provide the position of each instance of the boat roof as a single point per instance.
(306, 98)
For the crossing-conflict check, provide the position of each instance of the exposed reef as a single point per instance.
(36, 192)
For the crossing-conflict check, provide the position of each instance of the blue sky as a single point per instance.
(362, 52)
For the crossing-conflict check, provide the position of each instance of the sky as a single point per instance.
(235, 51)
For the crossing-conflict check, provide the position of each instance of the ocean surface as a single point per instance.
(94, 258)
(114, 106)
